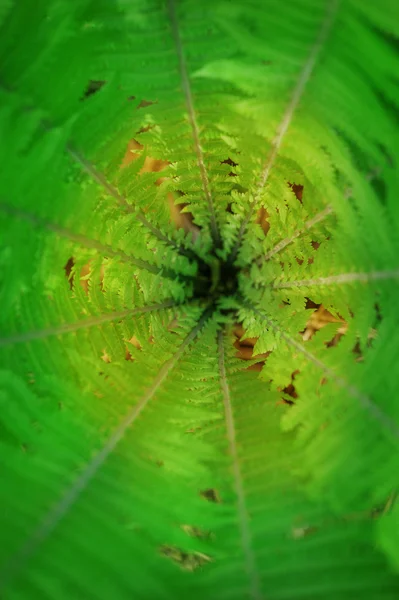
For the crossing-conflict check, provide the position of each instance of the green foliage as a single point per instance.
(141, 457)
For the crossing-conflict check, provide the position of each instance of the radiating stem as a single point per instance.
(28, 336)
(341, 278)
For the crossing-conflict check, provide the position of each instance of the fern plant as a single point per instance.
(179, 178)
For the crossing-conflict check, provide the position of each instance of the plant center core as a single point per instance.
(217, 279)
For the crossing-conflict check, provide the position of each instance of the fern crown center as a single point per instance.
(216, 280)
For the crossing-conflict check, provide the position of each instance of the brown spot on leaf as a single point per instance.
(229, 162)
(92, 87)
(105, 357)
(211, 495)
(68, 271)
(298, 190)
(145, 103)
(188, 561)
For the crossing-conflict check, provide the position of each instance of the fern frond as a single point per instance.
(243, 516)
(83, 240)
(340, 381)
(27, 336)
(193, 122)
(287, 241)
(287, 546)
(309, 224)
(179, 130)
(63, 506)
(327, 23)
(122, 202)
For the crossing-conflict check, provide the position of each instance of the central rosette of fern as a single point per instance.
(217, 279)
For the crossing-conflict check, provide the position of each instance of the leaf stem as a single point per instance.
(341, 278)
(28, 336)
